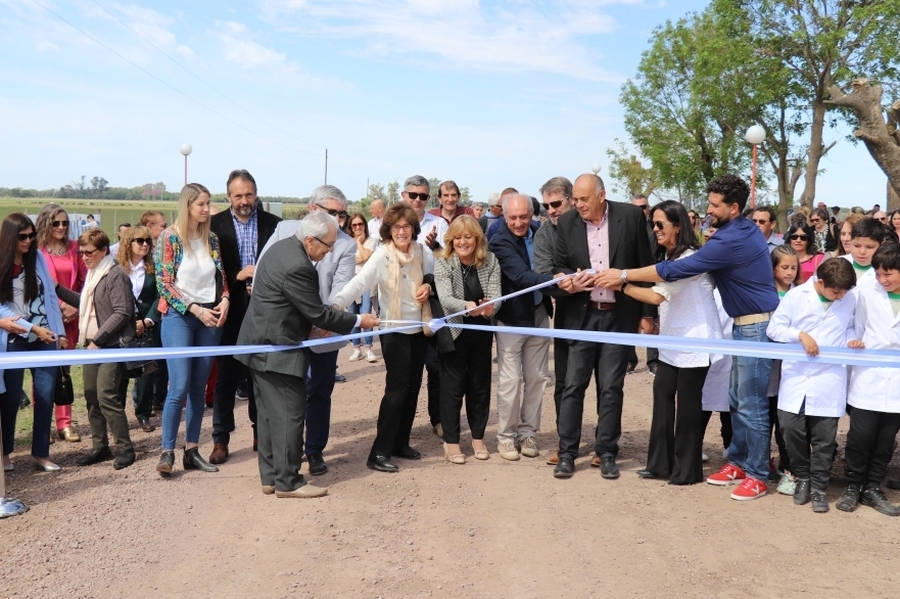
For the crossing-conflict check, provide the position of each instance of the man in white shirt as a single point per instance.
(376, 208)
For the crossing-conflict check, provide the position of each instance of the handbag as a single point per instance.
(65, 393)
(138, 368)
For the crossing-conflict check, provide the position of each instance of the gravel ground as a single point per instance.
(485, 529)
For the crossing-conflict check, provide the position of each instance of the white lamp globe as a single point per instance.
(755, 135)
(186, 149)
(596, 168)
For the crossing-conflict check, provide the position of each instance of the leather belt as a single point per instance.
(752, 318)
(602, 305)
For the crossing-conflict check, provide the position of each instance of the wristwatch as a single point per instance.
(624, 276)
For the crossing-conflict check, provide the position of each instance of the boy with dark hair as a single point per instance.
(874, 395)
(812, 396)
(866, 236)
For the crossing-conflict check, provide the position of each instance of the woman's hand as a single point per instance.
(92, 345)
(9, 325)
(62, 342)
(423, 293)
(139, 328)
(207, 317)
(69, 313)
(486, 310)
(45, 335)
(222, 311)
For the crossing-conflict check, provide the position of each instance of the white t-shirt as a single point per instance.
(196, 276)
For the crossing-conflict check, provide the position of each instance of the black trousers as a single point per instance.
(230, 373)
(466, 372)
(870, 445)
(784, 456)
(676, 432)
(433, 367)
(281, 414)
(560, 365)
(609, 361)
(652, 356)
(810, 443)
(724, 426)
(404, 359)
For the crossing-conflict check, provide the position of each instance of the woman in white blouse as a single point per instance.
(397, 268)
(687, 309)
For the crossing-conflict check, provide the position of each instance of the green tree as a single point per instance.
(393, 193)
(629, 175)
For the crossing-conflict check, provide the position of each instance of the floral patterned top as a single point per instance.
(168, 256)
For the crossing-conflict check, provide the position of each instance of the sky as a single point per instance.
(491, 94)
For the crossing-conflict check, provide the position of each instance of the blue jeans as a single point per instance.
(749, 448)
(44, 390)
(187, 376)
(363, 307)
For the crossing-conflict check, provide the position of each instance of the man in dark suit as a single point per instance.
(243, 231)
(284, 307)
(596, 235)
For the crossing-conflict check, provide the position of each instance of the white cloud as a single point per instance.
(239, 48)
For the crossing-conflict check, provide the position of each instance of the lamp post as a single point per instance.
(755, 136)
(186, 150)
(596, 168)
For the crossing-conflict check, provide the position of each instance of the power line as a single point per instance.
(173, 88)
(198, 78)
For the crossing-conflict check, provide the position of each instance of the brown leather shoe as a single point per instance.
(553, 458)
(219, 454)
(596, 462)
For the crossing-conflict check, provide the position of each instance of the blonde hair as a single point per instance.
(189, 194)
(460, 226)
(125, 254)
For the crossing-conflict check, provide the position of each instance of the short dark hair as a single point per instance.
(887, 257)
(868, 227)
(768, 210)
(239, 173)
(735, 189)
(837, 273)
(398, 211)
(449, 184)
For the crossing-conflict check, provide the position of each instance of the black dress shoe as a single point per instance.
(608, 468)
(565, 468)
(146, 425)
(874, 498)
(801, 491)
(407, 453)
(648, 475)
(194, 461)
(317, 464)
(381, 463)
(124, 459)
(95, 457)
(339, 378)
(166, 463)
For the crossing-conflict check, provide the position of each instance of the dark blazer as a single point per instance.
(517, 274)
(147, 301)
(113, 305)
(283, 308)
(222, 225)
(629, 247)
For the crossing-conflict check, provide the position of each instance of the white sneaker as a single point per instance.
(507, 451)
(529, 447)
(356, 355)
(370, 357)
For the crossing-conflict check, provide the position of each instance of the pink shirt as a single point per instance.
(598, 248)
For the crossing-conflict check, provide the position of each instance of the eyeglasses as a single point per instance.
(697, 218)
(141, 240)
(325, 243)
(761, 221)
(658, 224)
(554, 205)
(27, 236)
(415, 195)
(398, 228)
(340, 213)
(815, 220)
(798, 237)
(88, 252)
(59, 223)
(355, 225)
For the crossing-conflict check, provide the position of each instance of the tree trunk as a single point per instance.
(816, 151)
(881, 136)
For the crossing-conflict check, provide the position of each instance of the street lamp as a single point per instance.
(755, 136)
(596, 168)
(186, 150)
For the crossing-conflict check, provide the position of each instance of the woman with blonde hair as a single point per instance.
(193, 300)
(137, 260)
(67, 269)
(466, 275)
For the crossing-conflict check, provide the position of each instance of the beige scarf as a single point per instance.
(86, 305)
(396, 283)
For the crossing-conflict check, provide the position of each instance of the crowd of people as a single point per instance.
(572, 259)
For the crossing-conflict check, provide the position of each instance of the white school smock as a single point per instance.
(873, 388)
(823, 386)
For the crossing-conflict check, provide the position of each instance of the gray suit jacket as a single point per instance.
(284, 306)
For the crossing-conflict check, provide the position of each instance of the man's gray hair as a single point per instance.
(317, 223)
(416, 181)
(557, 185)
(327, 192)
(507, 199)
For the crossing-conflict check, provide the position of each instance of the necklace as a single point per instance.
(466, 270)
(59, 251)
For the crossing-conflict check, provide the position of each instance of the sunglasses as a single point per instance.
(341, 213)
(415, 195)
(141, 240)
(658, 224)
(59, 223)
(643, 206)
(815, 220)
(88, 252)
(798, 237)
(355, 225)
(27, 236)
(554, 205)
(761, 221)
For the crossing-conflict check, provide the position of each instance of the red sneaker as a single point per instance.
(728, 475)
(750, 489)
